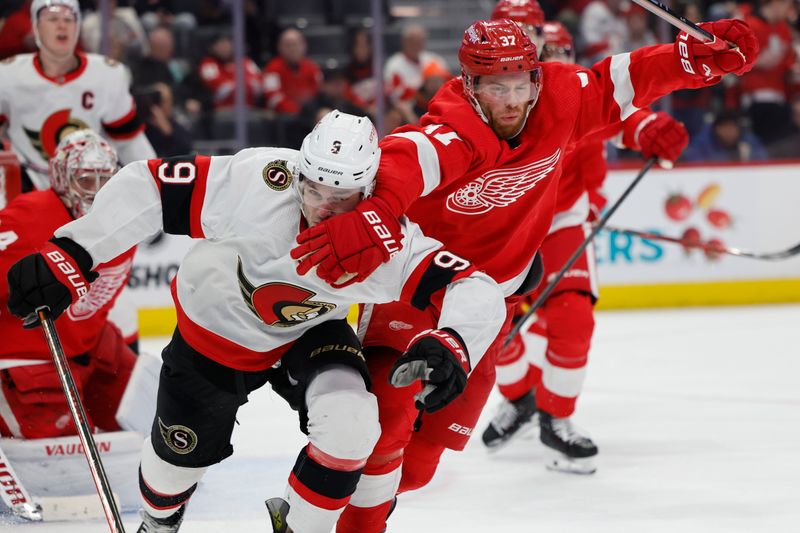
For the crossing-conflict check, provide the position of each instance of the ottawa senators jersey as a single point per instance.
(25, 225)
(239, 298)
(40, 110)
(490, 200)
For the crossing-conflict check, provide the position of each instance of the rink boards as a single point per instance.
(753, 207)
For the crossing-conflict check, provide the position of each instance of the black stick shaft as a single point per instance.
(577, 253)
(81, 422)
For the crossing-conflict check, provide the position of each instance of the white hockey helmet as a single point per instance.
(82, 164)
(341, 151)
(38, 5)
(337, 159)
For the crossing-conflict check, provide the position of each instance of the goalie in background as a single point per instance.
(35, 421)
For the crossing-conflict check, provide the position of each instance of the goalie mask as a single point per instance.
(501, 74)
(82, 164)
(336, 166)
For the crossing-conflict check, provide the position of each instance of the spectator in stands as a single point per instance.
(789, 146)
(433, 77)
(155, 13)
(16, 31)
(167, 135)
(156, 67)
(402, 73)
(764, 89)
(725, 139)
(603, 30)
(359, 68)
(218, 74)
(127, 39)
(334, 93)
(691, 105)
(291, 79)
(637, 32)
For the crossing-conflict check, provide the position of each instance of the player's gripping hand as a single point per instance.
(56, 276)
(438, 358)
(663, 137)
(733, 51)
(348, 247)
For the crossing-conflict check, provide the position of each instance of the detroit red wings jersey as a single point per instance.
(239, 298)
(492, 201)
(25, 225)
(41, 110)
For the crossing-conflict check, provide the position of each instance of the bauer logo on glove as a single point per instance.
(439, 359)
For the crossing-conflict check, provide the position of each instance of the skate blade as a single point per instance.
(559, 462)
(278, 509)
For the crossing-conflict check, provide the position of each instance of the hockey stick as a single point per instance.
(13, 493)
(81, 422)
(713, 248)
(577, 253)
(663, 12)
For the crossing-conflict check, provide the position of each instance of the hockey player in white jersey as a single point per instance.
(48, 94)
(246, 317)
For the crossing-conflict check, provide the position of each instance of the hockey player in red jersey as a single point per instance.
(47, 94)
(245, 316)
(550, 357)
(480, 172)
(100, 361)
(527, 14)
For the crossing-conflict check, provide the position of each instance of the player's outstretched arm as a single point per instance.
(619, 86)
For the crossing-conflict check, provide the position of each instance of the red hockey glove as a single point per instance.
(55, 277)
(347, 248)
(659, 135)
(717, 58)
(437, 357)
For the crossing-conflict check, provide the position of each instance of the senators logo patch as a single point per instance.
(280, 304)
(180, 439)
(277, 175)
(501, 187)
(54, 128)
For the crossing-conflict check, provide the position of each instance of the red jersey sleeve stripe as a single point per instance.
(202, 162)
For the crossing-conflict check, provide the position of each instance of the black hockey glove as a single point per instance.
(56, 276)
(439, 358)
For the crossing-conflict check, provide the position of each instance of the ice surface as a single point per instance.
(696, 413)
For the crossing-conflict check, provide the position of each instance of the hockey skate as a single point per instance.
(568, 449)
(170, 524)
(278, 509)
(513, 418)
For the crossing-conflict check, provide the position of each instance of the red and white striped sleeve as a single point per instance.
(619, 86)
(416, 160)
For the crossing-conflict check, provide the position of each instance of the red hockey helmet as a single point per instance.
(557, 41)
(497, 47)
(524, 12)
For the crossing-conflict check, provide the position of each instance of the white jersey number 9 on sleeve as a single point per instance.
(445, 259)
(179, 172)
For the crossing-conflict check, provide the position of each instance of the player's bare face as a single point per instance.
(504, 101)
(58, 30)
(321, 202)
